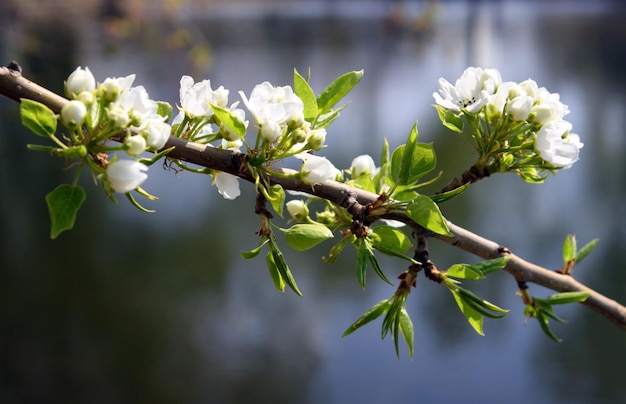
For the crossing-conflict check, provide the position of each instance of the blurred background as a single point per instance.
(161, 308)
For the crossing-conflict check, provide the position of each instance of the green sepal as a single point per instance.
(303, 90)
(423, 211)
(38, 118)
(63, 204)
(230, 120)
(338, 89)
(449, 119)
(164, 109)
(303, 236)
(372, 314)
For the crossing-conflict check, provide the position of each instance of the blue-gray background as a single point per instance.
(160, 308)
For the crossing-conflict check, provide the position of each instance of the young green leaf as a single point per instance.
(372, 314)
(303, 236)
(423, 211)
(277, 198)
(480, 305)
(465, 271)
(253, 253)
(569, 248)
(282, 267)
(492, 265)
(449, 119)
(446, 196)
(587, 248)
(164, 109)
(279, 282)
(63, 204)
(474, 318)
(568, 297)
(423, 161)
(230, 120)
(303, 90)
(390, 240)
(338, 89)
(406, 328)
(374, 261)
(362, 256)
(38, 118)
(324, 120)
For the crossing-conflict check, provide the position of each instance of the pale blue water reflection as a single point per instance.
(160, 308)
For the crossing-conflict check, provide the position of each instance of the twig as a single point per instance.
(13, 85)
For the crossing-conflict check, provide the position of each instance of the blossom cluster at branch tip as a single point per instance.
(515, 116)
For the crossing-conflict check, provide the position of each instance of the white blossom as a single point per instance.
(111, 88)
(136, 144)
(363, 165)
(125, 175)
(556, 145)
(73, 114)
(278, 104)
(80, 80)
(227, 185)
(196, 97)
(316, 169)
(297, 209)
(471, 91)
(157, 132)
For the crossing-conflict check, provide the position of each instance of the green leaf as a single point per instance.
(374, 261)
(277, 198)
(279, 282)
(465, 271)
(338, 89)
(543, 322)
(480, 305)
(423, 211)
(253, 253)
(372, 314)
(63, 204)
(390, 240)
(492, 265)
(361, 263)
(446, 196)
(406, 328)
(324, 120)
(583, 252)
(474, 318)
(569, 248)
(303, 236)
(422, 162)
(401, 158)
(449, 119)
(230, 120)
(282, 267)
(303, 90)
(337, 249)
(567, 297)
(38, 118)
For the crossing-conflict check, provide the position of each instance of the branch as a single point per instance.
(13, 85)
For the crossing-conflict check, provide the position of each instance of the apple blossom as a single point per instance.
(125, 175)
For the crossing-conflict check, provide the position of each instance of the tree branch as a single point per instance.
(13, 85)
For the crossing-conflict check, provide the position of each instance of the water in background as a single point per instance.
(161, 308)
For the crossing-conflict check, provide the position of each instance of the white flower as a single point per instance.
(138, 104)
(80, 80)
(196, 97)
(556, 145)
(471, 91)
(520, 107)
(271, 131)
(316, 138)
(297, 209)
(363, 165)
(111, 88)
(227, 185)
(316, 169)
(125, 175)
(278, 104)
(73, 114)
(135, 144)
(157, 132)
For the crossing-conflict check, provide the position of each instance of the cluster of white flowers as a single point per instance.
(127, 109)
(482, 91)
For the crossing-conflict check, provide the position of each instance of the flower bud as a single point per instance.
(109, 90)
(316, 139)
(125, 175)
(270, 131)
(298, 210)
(73, 114)
(363, 165)
(80, 80)
(519, 107)
(158, 134)
(135, 144)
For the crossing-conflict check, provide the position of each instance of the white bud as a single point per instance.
(80, 80)
(73, 114)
